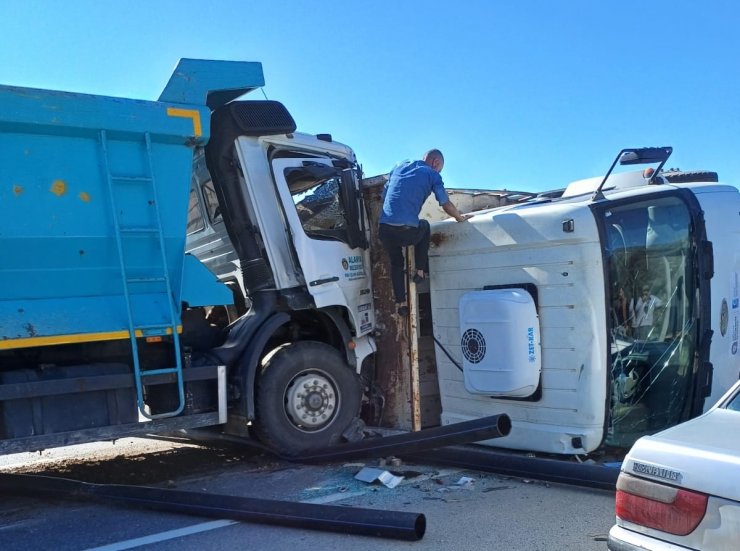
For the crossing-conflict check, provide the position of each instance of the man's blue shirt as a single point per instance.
(409, 185)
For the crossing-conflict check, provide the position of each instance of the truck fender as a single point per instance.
(346, 335)
(249, 362)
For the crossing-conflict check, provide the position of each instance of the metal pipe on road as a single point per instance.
(475, 430)
(347, 520)
(512, 464)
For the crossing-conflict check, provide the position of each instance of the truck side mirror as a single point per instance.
(352, 199)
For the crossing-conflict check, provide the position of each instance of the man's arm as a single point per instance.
(451, 209)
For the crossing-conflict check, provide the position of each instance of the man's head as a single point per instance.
(434, 159)
(645, 292)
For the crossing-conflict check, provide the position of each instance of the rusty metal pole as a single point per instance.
(392, 358)
(413, 350)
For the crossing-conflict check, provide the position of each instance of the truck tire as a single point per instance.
(307, 396)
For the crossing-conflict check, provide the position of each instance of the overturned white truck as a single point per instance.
(591, 316)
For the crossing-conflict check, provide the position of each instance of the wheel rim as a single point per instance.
(311, 400)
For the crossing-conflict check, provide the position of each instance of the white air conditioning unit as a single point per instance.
(500, 340)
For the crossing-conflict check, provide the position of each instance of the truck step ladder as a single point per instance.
(153, 233)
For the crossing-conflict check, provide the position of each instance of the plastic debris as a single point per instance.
(464, 481)
(370, 475)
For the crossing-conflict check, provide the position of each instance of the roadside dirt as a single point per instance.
(142, 461)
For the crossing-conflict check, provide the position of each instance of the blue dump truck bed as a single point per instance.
(93, 207)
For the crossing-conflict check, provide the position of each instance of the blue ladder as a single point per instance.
(151, 232)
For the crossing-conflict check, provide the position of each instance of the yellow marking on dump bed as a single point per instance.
(188, 114)
(29, 342)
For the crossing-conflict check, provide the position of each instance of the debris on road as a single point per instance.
(370, 475)
(465, 482)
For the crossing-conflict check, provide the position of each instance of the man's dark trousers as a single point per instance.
(394, 238)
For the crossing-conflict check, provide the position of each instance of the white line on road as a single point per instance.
(205, 526)
(163, 536)
(332, 497)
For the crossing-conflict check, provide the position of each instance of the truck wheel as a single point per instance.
(306, 397)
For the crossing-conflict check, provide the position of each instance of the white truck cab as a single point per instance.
(594, 318)
(278, 216)
(295, 189)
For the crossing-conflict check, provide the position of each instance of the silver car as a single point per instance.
(680, 488)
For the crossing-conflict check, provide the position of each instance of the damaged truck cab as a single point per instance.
(595, 317)
(278, 216)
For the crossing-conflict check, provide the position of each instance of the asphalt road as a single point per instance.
(486, 512)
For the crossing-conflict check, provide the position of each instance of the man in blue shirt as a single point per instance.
(409, 185)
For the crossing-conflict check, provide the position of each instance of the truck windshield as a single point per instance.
(653, 309)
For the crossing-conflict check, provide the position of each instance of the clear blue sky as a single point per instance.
(522, 95)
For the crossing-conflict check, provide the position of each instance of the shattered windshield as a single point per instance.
(652, 316)
(316, 193)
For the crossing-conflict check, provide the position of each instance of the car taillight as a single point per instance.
(654, 505)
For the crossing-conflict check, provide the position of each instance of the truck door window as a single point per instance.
(652, 315)
(195, 214)
(203, 179)
(212, 207)
(319, 205)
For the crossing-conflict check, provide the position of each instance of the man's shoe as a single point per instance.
(417, 278)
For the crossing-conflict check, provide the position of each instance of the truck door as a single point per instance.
(328, 229)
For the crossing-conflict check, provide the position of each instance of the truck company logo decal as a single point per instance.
(473, 346)
(188, 114)
(353, 267)
(658, 472)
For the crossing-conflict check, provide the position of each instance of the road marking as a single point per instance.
(332, 497)
(163, 536)
(206, 526)
(16, 525)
